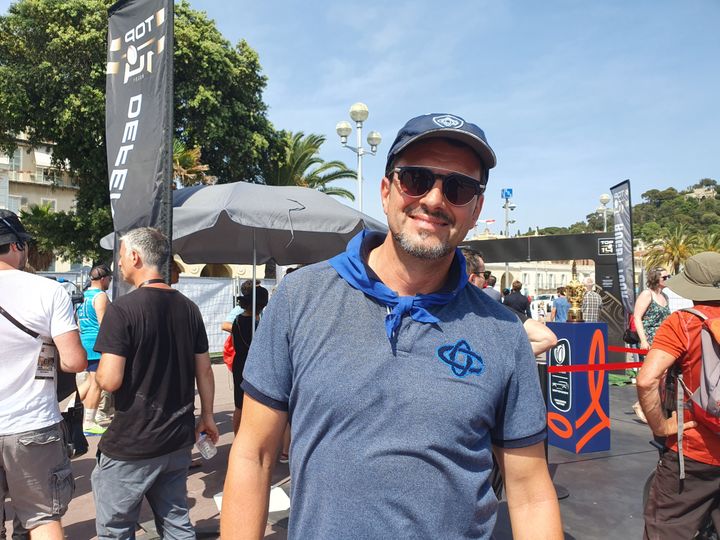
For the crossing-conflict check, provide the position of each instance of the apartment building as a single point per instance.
(28, 178)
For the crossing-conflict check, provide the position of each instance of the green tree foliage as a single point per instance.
(673, 249)
(662, 210)
(188, 168)
(52, 87)
(303, 166)
(708, 242)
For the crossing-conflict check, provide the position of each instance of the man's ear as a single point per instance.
(478, 207)
(385, 189)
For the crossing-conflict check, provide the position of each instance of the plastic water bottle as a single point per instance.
(205, 446)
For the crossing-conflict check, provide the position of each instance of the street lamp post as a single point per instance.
(358, 113)
(604, 200)
(509, 207)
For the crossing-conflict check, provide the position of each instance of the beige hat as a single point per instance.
(700, 279)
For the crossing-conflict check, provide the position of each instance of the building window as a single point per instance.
(13, 165)
(50, 203)
(47, 175)
(14, 203)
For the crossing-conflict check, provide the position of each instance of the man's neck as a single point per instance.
(142, 277)
(6, 266)
(406, 274)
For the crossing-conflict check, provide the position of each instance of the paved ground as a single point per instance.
(605, 488)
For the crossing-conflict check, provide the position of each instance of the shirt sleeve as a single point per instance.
(201, 339)
(234, 312)
(114, 334)
(267, 376)
(522, 418)
(62, 318)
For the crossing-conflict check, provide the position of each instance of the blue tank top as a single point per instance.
(88, 322)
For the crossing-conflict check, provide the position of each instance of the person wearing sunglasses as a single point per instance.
(398, 377)
(39, 336)
(652, 307)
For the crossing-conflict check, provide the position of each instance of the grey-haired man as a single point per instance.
(153, 349)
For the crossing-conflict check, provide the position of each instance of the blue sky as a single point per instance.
(573, 96)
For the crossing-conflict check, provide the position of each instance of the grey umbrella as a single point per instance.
(228, 223)
(245, 223)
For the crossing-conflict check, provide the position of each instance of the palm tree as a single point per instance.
(672, 250)
(303, 166)
(708, 242)
(40, 254)
(187, 167)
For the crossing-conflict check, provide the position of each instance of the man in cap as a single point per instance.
(39, 335)
(90, 315)
(399, 379)
(676, 508)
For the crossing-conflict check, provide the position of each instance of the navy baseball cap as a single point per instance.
(11, 230)
(444, 126)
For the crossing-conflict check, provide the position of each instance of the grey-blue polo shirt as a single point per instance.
(392, 442)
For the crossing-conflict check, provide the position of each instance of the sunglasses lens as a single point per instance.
(416, 182)
(459, 190)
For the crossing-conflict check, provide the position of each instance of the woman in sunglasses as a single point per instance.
(651, 309)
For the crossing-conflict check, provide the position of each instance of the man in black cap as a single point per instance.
(399, 379)
(681, 498)
(39, 335)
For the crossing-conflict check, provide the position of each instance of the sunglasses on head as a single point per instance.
(458, 189)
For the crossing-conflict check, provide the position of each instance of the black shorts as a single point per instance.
(238, 366)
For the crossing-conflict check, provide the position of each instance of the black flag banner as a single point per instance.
(622, 211)
(138, 117)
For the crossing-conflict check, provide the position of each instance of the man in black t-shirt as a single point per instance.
(154, 347)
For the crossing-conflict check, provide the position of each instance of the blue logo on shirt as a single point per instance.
(461, 358)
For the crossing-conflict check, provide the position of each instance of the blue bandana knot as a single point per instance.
(350, 266)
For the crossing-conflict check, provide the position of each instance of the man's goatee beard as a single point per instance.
(422, 251)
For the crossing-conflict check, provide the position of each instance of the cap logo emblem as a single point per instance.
(448, 121)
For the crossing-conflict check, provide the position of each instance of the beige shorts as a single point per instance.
(35, 472)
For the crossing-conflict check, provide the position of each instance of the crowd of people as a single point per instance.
(408, 382)
(148, 348)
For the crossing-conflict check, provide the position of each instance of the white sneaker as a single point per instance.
(93, 428)
(102, 418)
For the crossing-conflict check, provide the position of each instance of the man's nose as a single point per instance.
(434, 197)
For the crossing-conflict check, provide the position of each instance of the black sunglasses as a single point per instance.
(458, 189)
(665, 277)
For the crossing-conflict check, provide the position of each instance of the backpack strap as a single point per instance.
(681, 388)
(696, 313)
(17, 323)
(680, 421)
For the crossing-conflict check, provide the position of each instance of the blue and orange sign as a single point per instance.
(578, 394)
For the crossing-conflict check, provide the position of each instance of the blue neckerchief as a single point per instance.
(350, 266)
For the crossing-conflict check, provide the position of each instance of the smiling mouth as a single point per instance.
(437, 219)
